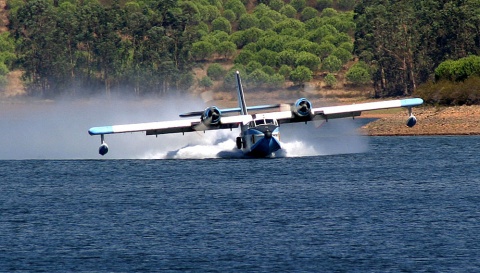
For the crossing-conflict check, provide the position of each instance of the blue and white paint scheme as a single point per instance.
(259, 133)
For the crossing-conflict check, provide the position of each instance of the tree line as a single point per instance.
(152, 46)
(404, 41)
(86, 47)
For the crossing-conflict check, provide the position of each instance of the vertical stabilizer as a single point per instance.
(241, 97)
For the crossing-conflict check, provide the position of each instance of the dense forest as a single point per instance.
(141, 47)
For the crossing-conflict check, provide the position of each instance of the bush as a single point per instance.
(449, 93)
(358, 75)
(458, 70)
(205, 82)
(330, 80)
(215, 71)
(276, 80)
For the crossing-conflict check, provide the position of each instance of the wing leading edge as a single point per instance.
(167, 127)
(344, 111)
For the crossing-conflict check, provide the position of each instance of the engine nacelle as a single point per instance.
(103, 150)
(211, 116)
(302, 108)
(411, 121)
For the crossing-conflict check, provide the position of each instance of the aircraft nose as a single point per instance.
(268, 134)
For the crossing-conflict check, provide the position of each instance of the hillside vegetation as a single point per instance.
(85, 47)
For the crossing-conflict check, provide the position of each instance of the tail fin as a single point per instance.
(241, 97)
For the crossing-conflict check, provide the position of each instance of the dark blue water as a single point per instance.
(408, 204)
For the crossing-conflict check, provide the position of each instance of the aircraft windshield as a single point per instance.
(265, 122)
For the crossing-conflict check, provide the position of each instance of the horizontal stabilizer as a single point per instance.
(232, 110)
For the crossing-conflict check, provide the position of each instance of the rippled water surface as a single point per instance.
(406, 204)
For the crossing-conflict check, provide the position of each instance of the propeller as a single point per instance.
(302, 107)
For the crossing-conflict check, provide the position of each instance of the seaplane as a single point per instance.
(259, 132)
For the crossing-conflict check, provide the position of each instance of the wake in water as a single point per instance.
(339, 137)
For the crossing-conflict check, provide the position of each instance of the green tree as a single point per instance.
(332, 64)
(323, 4)
(276, 80)
(247, 21)
(307, 59)
(226, 49)
(7, 56)
(266, 57)
(288, 11)
(298, 5)
(309, 13)
(287, 57)
(276, 5)
(346, 4)
(252, 66)
(301, 75)
(202, 50)
(236, 6)
(230, 15)
(266, 23)
(222, 24)
(244, 57)
(342, 54)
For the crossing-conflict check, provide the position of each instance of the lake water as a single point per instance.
(408, 204)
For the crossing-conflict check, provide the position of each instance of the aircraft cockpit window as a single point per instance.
(269, 121)
(265, 122)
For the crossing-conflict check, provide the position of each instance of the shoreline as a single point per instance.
(431, 121)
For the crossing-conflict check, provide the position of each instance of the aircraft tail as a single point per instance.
(241, 96)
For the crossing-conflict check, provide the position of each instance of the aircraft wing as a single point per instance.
(167, 127)
(343, 111)
(353, 110)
